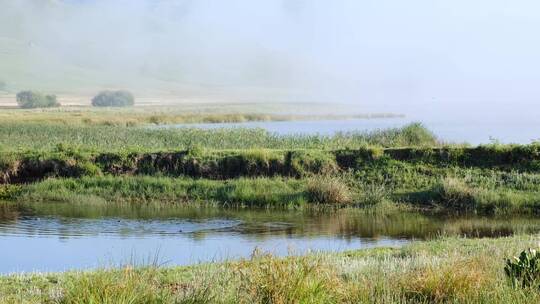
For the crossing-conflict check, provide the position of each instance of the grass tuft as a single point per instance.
(328, 190)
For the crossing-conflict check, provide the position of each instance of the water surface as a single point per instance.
(64, 236)
(466, 130)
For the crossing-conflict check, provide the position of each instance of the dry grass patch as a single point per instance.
(459, 281)
(267, 279)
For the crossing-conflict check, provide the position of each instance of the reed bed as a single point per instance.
(23, 136)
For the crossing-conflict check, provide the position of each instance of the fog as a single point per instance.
(438, 58)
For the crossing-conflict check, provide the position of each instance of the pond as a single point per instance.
(471, 131)
(64, 236)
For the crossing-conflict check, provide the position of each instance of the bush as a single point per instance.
(113, 99)
(9, 191)
(415, 134)
(328, 190)
(31, 99)
(411, 135)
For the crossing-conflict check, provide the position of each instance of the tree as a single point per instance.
(31, 99)
(113, 99)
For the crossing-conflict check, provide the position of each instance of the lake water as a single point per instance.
(465, 130)
(62, 236)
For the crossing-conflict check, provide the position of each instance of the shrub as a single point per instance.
(31, 99)
(416, 134)
(9, 191)
(328, 190)
(524, 271)
(113, 99)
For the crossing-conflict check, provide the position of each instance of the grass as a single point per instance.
(24, 136)
(454, 189)
(457, 194)
(244, 192)
(449, 270)
(162, 115)
(261, 177)
(328, 190)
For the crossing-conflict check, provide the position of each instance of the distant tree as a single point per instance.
(31, 99)
(3, 85)
(113, 99)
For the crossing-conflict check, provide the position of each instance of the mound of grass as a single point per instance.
(113, 99)
(32, 99)
(328, 190)
(267, 279)
(125, 286)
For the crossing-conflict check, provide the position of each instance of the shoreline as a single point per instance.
(443, 270)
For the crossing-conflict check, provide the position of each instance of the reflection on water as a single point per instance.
(61, 236)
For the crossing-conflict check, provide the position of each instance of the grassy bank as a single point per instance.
(468, 190)
(66, 161)
(247, 192)
(255, 168)
(449, 270)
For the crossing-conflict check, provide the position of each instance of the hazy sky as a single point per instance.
(415, 55)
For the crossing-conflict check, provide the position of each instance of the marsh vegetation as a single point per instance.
(241, 152)
(380, 172)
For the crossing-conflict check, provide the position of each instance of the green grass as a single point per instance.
(449, 270)
(254, 167)
(503, 181)
(245, 192)
(374, 163)
(414, 186)
(33, 136)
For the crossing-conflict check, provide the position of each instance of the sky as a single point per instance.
(430, 56)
